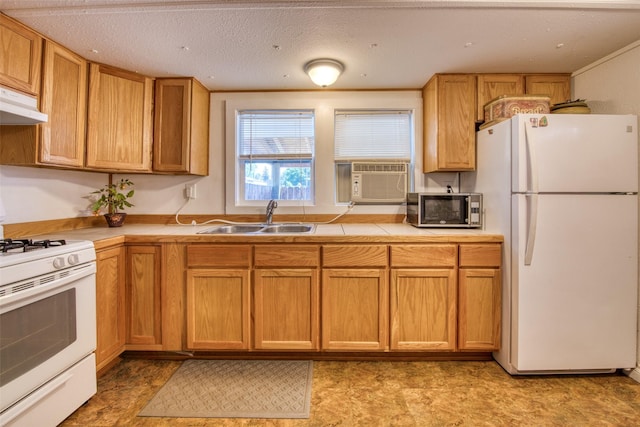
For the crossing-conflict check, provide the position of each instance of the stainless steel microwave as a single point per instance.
(453, 210)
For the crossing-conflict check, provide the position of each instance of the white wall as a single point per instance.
(612, 86)
(38, 194)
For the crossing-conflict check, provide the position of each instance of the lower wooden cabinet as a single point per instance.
(286, 297)
(286, 309)
(355, 309)
(479, 297)
(442, 297)
(355, 297)
(218, 300)
(110, 304)
(144, 303)
(423, 309)
(423, 297)
(217, 309)
(479, 305)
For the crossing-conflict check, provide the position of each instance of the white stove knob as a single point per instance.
(58, 262)
(73, 259)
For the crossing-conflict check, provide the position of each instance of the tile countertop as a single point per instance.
(342, 233)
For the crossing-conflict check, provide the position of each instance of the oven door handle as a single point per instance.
(35, 398)
(12, 301)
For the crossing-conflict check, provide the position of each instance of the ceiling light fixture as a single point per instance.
(324, 72)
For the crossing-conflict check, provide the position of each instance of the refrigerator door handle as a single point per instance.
(532, 210)
(533, 159)
(531, 196)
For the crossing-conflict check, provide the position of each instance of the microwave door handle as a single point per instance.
(532, 210)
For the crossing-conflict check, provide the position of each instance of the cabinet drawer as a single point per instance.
(424, 255)
(480, 255)
(287, 256)
(354, 256)
(219, 256)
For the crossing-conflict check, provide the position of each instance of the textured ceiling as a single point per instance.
(239, 45)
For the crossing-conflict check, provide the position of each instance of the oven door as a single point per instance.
(45, 329)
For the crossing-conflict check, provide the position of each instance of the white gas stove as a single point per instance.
(48, 329)
(25, 258)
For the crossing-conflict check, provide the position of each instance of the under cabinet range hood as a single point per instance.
(19, 109)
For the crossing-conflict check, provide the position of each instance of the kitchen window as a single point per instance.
(275, 155)
(369, 136)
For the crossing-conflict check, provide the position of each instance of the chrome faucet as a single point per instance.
(270, 208)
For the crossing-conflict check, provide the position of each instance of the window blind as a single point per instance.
(275, 134)
(384, 134)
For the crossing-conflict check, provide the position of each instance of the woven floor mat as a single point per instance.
(235, 389)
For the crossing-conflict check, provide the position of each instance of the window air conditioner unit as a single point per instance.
(378, 182)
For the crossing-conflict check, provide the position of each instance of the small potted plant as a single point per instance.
(114, 198)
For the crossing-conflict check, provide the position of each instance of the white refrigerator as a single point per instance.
(562, 189)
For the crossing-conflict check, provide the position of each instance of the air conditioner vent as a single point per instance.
(379, 167)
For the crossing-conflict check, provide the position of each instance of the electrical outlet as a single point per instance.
(190, 191)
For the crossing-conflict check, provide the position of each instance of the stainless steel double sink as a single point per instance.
(260, 229)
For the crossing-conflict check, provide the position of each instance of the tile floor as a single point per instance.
(385, 394)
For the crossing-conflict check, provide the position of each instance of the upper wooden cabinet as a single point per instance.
(21, 56)
(64, 99)
(449, 123)
(490, 86)
(120, 124)
(59, 142)
(181, 127)
(555, 86)
(454, 102)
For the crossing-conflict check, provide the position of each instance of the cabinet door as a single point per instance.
(286, 309)
(423, 309)
(21, 58)
(449, 112)
(555, 86)
(355, 309)
(217, 308)
(480, 305)
(144, 315)
(172, 273)
(119, 130)
(110, 304)
(181, 127)
(491, 86)
(60, 142)
(64, 99)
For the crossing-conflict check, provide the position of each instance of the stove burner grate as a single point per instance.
(25, 245)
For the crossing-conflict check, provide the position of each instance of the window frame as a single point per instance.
(342, 164)
(270, 158)
(223, 171)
